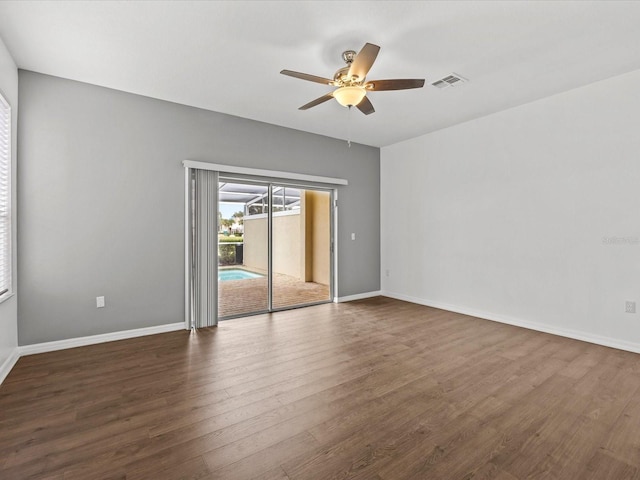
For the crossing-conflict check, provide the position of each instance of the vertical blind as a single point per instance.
(5, 198)
(203, 262)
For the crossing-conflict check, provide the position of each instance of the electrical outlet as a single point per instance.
(99, 302)
(386, 272)
(630, 307)
(353, 236)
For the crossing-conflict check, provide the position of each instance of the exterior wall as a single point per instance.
(286, 243)
(320, 248)
(255, 243)
(301, 240)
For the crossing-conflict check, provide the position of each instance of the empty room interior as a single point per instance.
(305, 240)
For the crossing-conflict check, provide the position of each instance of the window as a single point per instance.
(5, 199)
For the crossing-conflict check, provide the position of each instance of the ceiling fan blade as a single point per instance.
(306, 76)
(365, 106)
(364, 60)
(399, 84)
(317, 101)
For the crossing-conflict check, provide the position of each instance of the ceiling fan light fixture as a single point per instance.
(349, 96)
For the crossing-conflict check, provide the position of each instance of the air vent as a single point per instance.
(452, 80)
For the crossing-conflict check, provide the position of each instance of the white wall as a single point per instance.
(508, 214)
(8, 309)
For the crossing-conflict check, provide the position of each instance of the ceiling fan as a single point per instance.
(352, 83)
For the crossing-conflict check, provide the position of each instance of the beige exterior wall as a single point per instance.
(255, 243)
(320, 254)
(286, 243)
(306, 235)
(301, 240)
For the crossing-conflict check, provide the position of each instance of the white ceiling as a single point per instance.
(226, 56)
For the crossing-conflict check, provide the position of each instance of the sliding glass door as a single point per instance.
(301, 246)
(274, 247)
(243, 249)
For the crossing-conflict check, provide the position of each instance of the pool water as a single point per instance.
(236, 274)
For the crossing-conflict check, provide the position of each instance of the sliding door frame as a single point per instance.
(262, 183)
(333, 277)
(269, 246)
(262, 176)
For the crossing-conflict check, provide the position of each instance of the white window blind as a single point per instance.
(5, 198)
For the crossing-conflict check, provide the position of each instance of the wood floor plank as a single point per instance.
(623, 439)
(604, 467)
(266, 460)
(489, 471)
(375, 389)
(275, 474)
(360, 451)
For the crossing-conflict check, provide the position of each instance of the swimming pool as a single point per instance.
(236, 274)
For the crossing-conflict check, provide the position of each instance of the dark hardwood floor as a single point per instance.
(376, 389)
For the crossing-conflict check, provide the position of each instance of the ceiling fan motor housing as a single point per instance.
(341, 76)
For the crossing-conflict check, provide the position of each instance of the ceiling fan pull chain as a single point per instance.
(349, 127)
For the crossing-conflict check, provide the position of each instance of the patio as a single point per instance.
(246, 296)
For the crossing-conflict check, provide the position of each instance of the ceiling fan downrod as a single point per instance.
(349, 56)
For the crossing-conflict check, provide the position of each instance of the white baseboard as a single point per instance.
(540, 327)
(358, 296)
(95, 339)
(8, 364)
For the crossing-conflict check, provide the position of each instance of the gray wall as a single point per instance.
(101, 190)
(528, 216)
(8, 308)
